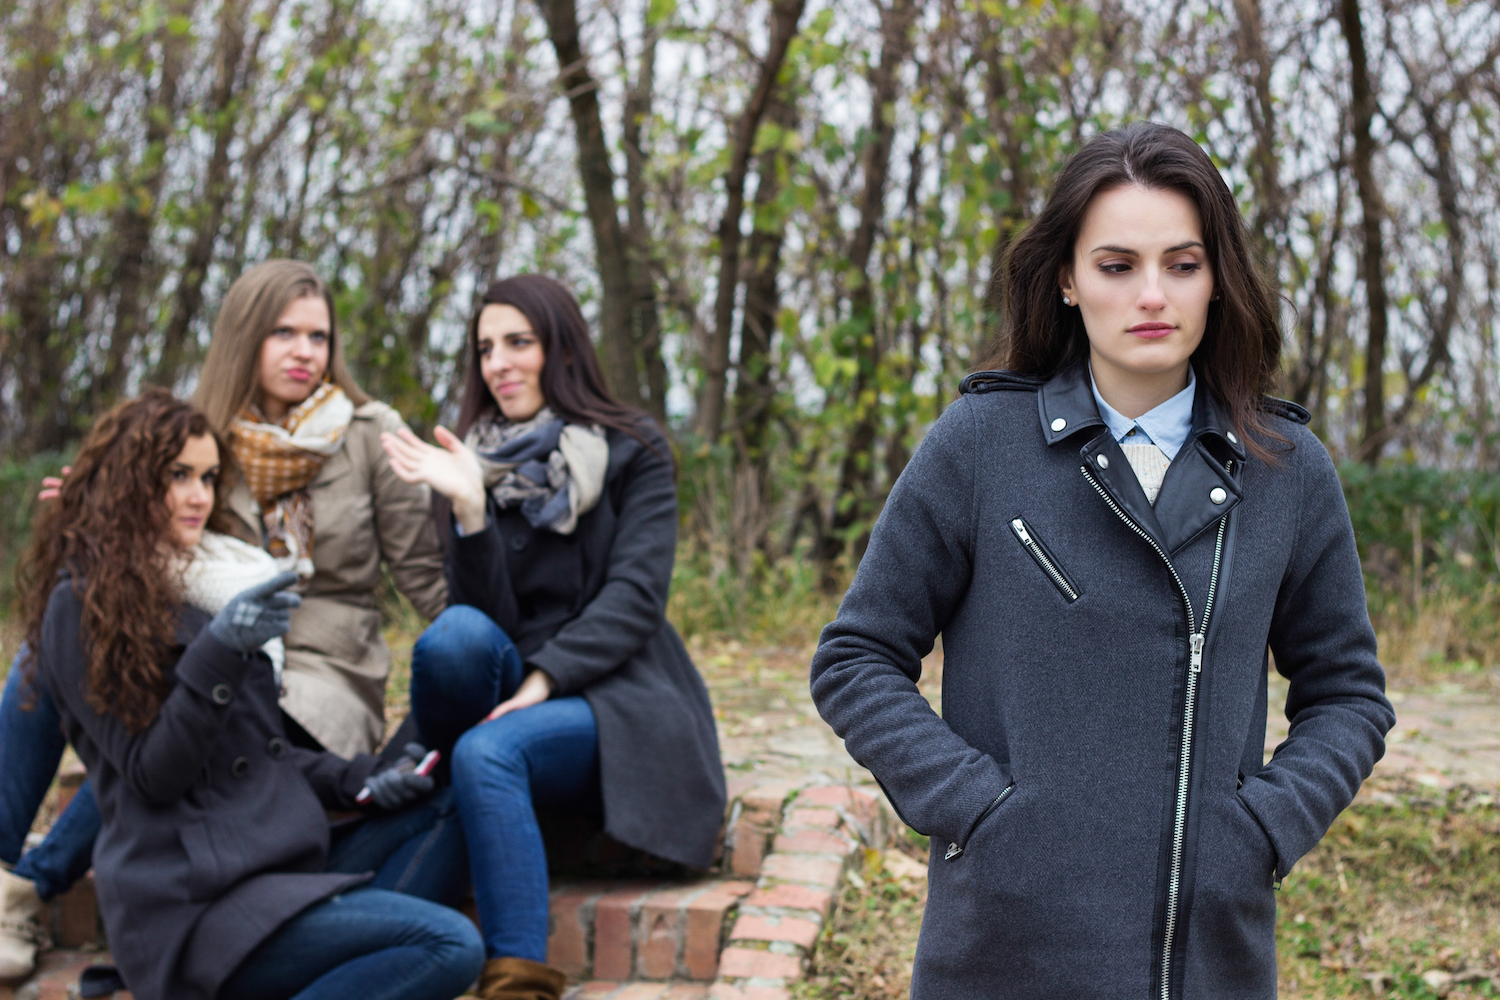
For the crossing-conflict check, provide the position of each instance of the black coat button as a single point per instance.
(221, 694)
(240, 767)
(276, 748)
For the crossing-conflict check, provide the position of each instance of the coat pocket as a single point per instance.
(1035, 548)
(956, 850)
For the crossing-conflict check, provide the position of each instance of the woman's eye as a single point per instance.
(1114, 267)
(320, 338)
(281, 332)
(1187, 266)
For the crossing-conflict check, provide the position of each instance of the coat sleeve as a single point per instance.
(865, 671)
(335, 780)
(160, 762)
(631, 605)
(1325, 647)
(477, 571)
(403, 525)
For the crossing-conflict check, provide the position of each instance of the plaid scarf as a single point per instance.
(279, 461)
(552, 470)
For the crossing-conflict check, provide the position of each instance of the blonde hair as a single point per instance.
(230, 378)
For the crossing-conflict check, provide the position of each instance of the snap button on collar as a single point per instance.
(1103, 461)
(1217, 495)
(1232, 438)
(1059, 424)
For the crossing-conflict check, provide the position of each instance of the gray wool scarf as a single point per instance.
(553, 471)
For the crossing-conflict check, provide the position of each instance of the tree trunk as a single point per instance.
(598, 177)
(210, 210)
(1372, 259)
(645, 316)
(853, 505)
(784, 17)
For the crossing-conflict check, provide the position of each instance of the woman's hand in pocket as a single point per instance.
(453, 470)
(535, 689)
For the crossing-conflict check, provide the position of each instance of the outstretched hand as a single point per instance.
(535, 689)
(452, 470)
(52, 485)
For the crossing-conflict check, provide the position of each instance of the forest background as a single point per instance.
(783, 219)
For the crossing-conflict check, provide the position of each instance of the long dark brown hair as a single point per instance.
(109, 528)
(572, 382)
(230, 380)
(1240, 355)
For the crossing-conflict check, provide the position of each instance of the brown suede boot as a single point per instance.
(520, 979)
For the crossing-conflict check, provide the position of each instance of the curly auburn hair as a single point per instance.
(110, 529)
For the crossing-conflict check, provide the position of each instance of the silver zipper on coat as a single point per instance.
(1048, 566)
(954, 850)
(1197, 637)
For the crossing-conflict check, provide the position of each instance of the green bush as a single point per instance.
(19, 482)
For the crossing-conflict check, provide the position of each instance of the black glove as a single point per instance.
(256, 615)
(399, 786)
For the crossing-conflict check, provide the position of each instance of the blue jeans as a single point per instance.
(393, 939)
(546, 755)
(31, 747)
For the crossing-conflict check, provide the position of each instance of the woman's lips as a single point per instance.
(299, 374)
(1152, 331)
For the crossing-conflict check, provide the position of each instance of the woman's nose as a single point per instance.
(1152, 296)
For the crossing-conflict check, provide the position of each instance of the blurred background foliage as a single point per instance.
(782, 216)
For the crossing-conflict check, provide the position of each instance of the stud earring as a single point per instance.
(1067, 301)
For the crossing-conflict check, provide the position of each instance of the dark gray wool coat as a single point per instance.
(1102, 824)
(214, 830)
(589, 608)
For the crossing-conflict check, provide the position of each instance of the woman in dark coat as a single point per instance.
(557, 680)
(1109, 535)
(213, 863)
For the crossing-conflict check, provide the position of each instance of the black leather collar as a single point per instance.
(1206, 468)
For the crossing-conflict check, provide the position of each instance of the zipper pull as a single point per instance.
(952, 852)
(1020, 527)
(1195, 642)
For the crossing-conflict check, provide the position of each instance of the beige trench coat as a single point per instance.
(336, 660)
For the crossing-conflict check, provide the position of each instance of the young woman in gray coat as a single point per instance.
(215, 872)
(555, 677)
(1109, 535)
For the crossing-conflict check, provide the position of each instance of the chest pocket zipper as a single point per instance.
(1033, 546)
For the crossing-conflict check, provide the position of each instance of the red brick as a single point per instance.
(823, 818)
(641, 991)
(659, 940)
(802, 933)
(686, 991)
(745, 963)
(813, 842)
(793, 897)
(769, 795)
(861, 803)
(803, 868)
(752, 833)
(567, 945)
(705, 928)
(614, 953)
(594, 991)
(728, 991)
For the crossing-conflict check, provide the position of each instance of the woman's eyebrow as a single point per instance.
(1113, 249)
(1184, 246)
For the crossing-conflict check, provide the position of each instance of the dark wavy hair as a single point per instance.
(1239, 358)
(109, 528)
(572, 382)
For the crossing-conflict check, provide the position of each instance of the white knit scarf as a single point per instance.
(221, 566)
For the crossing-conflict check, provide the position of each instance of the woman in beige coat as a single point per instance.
(319, 495)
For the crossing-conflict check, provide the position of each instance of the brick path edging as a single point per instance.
(819, 830)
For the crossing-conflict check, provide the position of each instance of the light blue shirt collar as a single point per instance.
(1167, 425)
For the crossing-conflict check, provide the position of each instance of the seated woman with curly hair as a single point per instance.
(149, 629)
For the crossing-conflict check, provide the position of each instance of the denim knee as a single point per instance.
(461, 946)
(486, 751)
(453, 634)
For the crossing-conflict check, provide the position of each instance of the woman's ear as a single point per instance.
(1065, 284)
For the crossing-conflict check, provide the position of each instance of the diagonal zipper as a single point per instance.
(1197, 637)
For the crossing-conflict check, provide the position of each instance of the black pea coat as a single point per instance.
(1103, 824)
(590, 609)
(214, 826)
